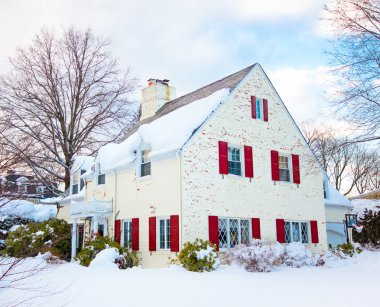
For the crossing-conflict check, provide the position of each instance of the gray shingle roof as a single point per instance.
(230, 82)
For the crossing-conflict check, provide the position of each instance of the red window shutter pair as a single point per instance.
(135, 234)
(223, 159)
(213, 229)
(280, 225)
(174, 233)
(265, 108)
(117, 231)
(276, 168)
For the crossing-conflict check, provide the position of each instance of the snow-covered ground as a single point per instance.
(351, 282)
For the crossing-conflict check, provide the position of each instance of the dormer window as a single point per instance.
(145, 163)
(101, 178)
(75, 188)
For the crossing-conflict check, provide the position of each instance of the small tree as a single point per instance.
(371, 229)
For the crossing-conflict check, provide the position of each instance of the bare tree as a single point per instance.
(355, 55)
(64, 96)
(349, 164)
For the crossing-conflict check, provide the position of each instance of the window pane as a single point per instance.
(101, 179)
(75, 189)
(244, 227)
(296, 231)
(144, 156)
(162, 234)
(222, 236)
(288, 237)
(234, 168)
(234, 232)
(145, 169)
(304, 233)
(284, 175)
(258, 109)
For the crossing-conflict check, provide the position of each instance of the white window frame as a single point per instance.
(123, 233)
(158, 242)
(99, 173)
(139, 162)
(239, 230)
(290, 167)
(300, 229)
(241, 154)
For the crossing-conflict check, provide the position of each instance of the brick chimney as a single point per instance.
(154, 96)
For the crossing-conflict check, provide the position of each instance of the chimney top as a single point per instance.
(152, 81)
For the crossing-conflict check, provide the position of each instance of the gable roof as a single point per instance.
(229, 82)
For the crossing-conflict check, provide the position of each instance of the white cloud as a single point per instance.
(305, 92)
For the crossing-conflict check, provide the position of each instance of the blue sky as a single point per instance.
(193, 43)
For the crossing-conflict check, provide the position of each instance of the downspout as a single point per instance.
(181, 194)
(114, 200)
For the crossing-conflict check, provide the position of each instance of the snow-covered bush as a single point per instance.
(126, 259)
(199, 256)
(29, 240)
(264, 256)
(259, 256)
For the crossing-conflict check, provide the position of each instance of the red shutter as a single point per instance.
(275, 166)
(248, 161)
(117, 231)
(152, 233)
(174, 233)
(223, 157)
(265, 109)
(280, 225)
(296, 169)
(256, 232)
(314, 232)
(135, 234)
(213, 230)
(253, 106)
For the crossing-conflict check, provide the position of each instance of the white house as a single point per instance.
(226, 163)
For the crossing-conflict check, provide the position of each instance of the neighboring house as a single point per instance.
(24, 186)
(337, 206)
(225, 163)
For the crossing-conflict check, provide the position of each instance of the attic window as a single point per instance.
(145, 163)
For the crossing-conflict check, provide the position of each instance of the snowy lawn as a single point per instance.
(351, 282)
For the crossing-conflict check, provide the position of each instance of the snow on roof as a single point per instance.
(361, 204)
(334, 198)
(26, 209)
(82, 162)
(165, 134)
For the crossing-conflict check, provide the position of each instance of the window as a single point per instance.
(82, 171)
(233, 232)
(259, 109)
(325, 189)
(40, 189)
(22, 188)
(145, 163)
(101, 179)
(164, 233)
(284, 167)
(234, 161)
(75, 184)
(296, 232)
(127, 242)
